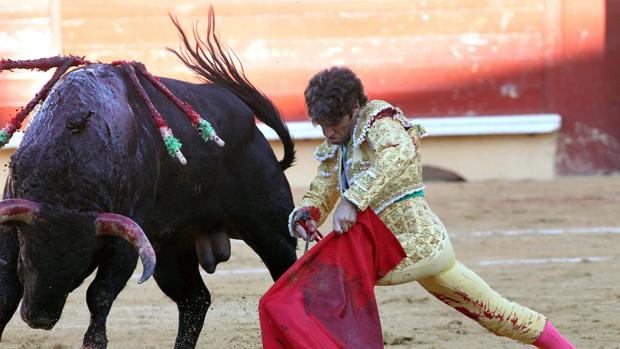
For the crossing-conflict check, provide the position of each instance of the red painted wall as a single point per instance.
(431, 57)
(582, 86)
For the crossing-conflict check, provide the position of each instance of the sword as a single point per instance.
(307, 244)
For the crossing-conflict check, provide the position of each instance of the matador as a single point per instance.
(371, 157)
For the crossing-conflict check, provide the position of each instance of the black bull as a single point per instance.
(92, 148)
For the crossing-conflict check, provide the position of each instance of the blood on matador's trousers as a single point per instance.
(431, 261)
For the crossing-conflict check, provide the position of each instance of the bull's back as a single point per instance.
(195, 188)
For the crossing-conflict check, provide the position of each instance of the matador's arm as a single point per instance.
(323, 192)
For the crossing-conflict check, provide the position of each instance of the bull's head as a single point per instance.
(79, 158)
(50, 269)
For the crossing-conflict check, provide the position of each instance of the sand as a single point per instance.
(550, 245)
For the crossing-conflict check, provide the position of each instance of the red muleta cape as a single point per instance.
(326, 299)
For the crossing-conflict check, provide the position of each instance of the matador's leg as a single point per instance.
(465, 291)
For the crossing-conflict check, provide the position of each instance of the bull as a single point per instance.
(91, 187)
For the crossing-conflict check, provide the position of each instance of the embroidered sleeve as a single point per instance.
(394, 152)
(323, 192)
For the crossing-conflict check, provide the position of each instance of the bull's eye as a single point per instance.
(77, 121)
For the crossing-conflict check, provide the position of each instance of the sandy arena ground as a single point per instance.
(500, 229)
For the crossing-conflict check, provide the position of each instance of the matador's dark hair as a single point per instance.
(333, 93)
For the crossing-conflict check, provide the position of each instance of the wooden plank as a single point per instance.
(444, 56)
(410, 51)
(235, 28)
(435, 91)
(23, 9)
(432, 102)
(259, 8)
(428, 52)
(430, 91)
(25, 38)
(10, 26)
(509, 85)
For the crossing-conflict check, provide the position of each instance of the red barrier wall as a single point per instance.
(431, 57)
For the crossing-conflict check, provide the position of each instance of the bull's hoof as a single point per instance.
(95, 343)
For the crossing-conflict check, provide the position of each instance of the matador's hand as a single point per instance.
(304, 223)
(344, 216)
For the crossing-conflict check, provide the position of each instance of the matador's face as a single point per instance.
(340, 132)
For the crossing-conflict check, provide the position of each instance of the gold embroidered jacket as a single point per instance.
(380, 163)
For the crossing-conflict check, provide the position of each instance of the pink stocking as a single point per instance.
(550, 338)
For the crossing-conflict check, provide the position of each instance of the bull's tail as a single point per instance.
(214, 63)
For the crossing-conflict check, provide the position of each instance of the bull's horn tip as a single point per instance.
(145, 276)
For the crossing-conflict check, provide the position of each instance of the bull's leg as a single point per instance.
(117, 262)
(264, 227)
(11, 289)
(257, 198)
(178, 277)
(260, 214)
(277, 252)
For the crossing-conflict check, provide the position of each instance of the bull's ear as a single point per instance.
(78, 121)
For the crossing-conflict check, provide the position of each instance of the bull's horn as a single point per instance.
(18, 210)
(118, 225)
